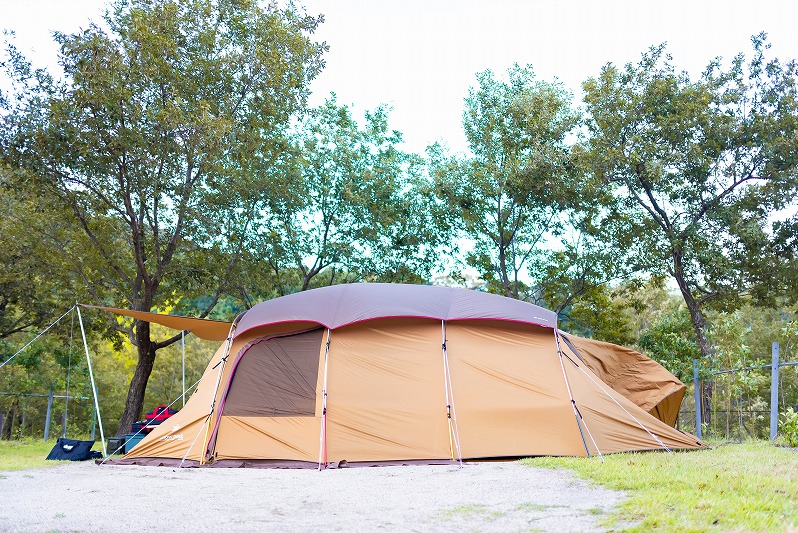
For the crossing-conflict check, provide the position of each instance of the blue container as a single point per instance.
(131, 439)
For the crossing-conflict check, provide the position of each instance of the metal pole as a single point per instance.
(697, 390)
(93, 386)
(183, 348)
(49, 415)
(774, 392)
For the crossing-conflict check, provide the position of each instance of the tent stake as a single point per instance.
(93, 385)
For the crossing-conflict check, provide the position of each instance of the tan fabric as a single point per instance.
(509, 393)
(204, 328)
(642, 380)
(615, 423)
(386, 398)
(286, 437)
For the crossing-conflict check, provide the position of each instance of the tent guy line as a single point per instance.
(37, 336)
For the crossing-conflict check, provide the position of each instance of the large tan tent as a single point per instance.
(380, 373)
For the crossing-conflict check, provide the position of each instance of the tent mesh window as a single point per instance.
(276, 377)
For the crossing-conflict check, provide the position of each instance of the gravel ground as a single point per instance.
(491, 496)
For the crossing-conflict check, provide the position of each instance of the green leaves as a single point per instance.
(152, 141)
(352, 206)
(518, 184)
(700, 166)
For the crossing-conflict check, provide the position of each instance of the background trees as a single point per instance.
(153, 141)
(700, 166)
(352, 207)
(176, 166)
(515, 189)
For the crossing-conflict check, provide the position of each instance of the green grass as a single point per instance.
(24, 454)
(732, 487)
(471, 511)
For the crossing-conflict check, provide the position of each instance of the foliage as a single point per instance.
(788, 427)
(671, 342)
(744, 487)
(619, 313)
(161, 133)
(519, 183)
(53, 362)
(354, 207)
(698, 167)
(31, 290)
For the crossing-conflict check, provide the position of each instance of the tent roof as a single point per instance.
(340, 305)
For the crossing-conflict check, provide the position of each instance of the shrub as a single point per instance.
(788, 427)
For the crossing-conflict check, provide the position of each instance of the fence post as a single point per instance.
(697, 390)
(774, 392)
(49, 415)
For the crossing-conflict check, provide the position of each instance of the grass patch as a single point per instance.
(745, 487)
(535, 507)
(471, 511)
(25, 454)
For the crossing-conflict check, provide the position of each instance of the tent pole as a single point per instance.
(183, 350)
(451, 413)
(93, 385)
(577, 414)
(323, 430)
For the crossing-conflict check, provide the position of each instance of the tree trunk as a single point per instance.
(700, 328)
(138, 385)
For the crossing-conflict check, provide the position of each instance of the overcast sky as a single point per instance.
(420, 56)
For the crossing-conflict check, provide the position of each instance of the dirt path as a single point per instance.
(480, 497)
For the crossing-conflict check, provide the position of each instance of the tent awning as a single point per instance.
(211, 330)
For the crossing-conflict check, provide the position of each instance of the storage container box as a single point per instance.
(116, 445)
(131, 439)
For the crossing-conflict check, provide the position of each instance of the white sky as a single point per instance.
(420, 56)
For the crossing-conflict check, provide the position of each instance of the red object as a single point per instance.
(159, 414)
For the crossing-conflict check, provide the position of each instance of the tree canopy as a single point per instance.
(699, 167)
(177, 166)
(154, 141)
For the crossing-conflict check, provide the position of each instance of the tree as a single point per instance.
(354, 207)
(154, 141)
(26, 300)
(518, 184)
(699, 166)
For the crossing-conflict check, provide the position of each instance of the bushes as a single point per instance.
(788, 427)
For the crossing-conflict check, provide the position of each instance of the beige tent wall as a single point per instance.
(637, 377)
(614, 421)
(386, 396)
(294, 438)
(186, 431)
(509, 391)
(174, 438)
(386, 399)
